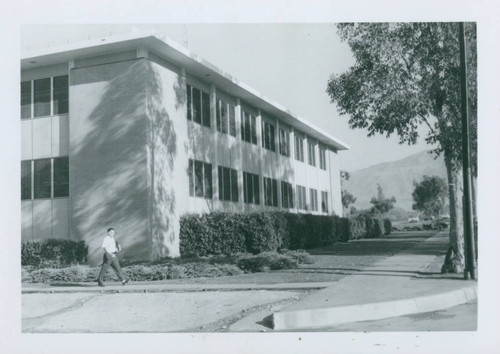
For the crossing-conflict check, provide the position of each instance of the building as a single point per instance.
(134, 131)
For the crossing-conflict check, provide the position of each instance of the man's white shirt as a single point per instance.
(109, 244)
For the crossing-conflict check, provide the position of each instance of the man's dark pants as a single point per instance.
(113, 262)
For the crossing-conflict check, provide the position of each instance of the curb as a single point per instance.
(317, 318)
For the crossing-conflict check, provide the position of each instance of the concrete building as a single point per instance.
(134, 131)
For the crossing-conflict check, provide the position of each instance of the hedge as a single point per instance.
(54, 253)
(226, 233)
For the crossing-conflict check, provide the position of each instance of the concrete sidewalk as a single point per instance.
(389, 288)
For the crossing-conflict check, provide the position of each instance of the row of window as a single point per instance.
(45, 178)
(198, 111)
(44, 97)
(200, 185)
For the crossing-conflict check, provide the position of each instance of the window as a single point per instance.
(226, 118)
(25, 99)
(200, 179)
(25, 180)
(248, 128)
(284, 143)
(313, 194)
(322, 158)
(61, 177)
(228, 184)
(324, 202)
(251, 188)
(42, 179)
(41, 93)
(299, 148)
(301, 197)
(60, 94)
(286, 195)
(311, 153)
(198, 106)
(270, 192)
(268, 140)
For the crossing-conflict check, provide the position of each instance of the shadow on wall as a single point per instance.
(109, 171)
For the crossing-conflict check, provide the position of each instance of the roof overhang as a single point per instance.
(182, 57)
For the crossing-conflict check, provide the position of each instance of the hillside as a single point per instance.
(396, 178)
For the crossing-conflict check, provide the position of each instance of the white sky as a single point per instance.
(289, 63)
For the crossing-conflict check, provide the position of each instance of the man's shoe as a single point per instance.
(124, 282)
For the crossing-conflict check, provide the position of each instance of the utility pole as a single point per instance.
(470, 254)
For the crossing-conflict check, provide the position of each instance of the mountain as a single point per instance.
(396, 179)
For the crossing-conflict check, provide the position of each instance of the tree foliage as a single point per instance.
(381, 204)
(430, 195)
(405, 75)
(347, 198)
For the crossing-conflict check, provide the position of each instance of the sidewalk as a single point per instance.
(389, 288)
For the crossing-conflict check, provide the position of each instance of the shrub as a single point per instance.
(266, 260)
(387, 226)
(260, 232)
(299, 256)
(373, 228)
(357, 227)
(54, 253)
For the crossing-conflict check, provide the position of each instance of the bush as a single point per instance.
(357, 227)
(266, 261)
(387, 226)
(373, 228)
(299, 256)
(54, 253)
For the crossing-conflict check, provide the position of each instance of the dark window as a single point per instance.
(286, 195)
(301, 197)
(207, 176)
(196, 97)
(25, 180)
(313, 194)
(61, 94)
(312, 153)
(42, 179)
(198, 173)
(61, 177)
(189, 102)
(222, 117)
(268, 140)
(249, 128)
(26, 99)
(324, 202)
(200, 179)
(284, 143)
(232, 121)
(228, 184)
(41, 95)
(270, 191)
(299, 148)
(206, 109)
(322, 158)
(251, 188)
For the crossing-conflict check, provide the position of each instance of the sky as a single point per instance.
(289, 63)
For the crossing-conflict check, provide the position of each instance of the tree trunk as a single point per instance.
(455, 260)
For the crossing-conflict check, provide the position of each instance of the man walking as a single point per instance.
(111, 248)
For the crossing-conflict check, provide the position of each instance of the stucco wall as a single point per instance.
(108, 158)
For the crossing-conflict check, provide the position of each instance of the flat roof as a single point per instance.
(182, 57)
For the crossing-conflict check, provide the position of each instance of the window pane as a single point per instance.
(42, 179)
(42, 97)
(242, 125)
(196, 105)
(61, 177)
(234, 185)
(290, 196)
(191, 178)
(25, 180)
(218, 115)
(221, 183)
(61, 94)
(247, 127)
(272, 139)
(189, 112)
(254, 129)
(208, 180)
(284, 194)
(227, 183)
(256, 189)
(232, 121)
(198, 182)
(250, 188)
(26, 99)
(206, 109)
(275, 192)
(224, 117)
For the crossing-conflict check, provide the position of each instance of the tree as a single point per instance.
(430, 195)
(406, 75)
(381, 204)
(347, 198)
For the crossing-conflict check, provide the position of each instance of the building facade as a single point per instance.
(135, 131)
